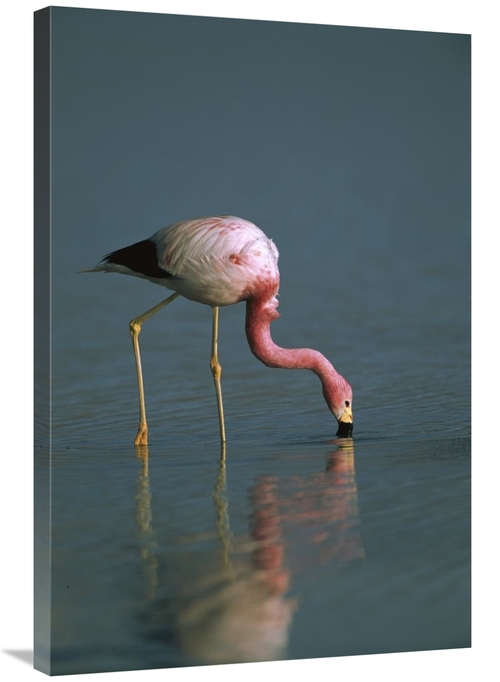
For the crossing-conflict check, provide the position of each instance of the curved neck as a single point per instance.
(259, 315)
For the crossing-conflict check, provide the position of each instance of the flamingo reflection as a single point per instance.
(245, 616)
(242, 610)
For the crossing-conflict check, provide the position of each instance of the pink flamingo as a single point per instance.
(220, 261)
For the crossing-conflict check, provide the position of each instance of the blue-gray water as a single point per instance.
(349, 147)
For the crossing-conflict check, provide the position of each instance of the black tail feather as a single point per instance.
(141, 258)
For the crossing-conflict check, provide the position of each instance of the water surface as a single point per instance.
(295, 544)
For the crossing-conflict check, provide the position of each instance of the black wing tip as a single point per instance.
(140, 258)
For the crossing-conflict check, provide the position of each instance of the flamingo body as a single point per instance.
(220, 261)
(216, 261)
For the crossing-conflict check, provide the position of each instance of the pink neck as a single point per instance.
(259, 315)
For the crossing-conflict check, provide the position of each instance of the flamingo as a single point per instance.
(220, 261)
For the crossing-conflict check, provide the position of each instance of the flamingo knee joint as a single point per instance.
(216, 368)
(134, 328)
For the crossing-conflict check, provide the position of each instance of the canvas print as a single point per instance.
(252, 341)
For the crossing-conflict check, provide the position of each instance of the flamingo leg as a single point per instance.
(217, 371)
(135, 327)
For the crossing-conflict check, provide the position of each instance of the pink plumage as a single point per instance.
(217, 261)
(220, 261)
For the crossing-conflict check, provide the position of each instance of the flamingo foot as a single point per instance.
(142, 435)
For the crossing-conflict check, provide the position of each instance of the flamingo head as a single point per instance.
(339, 401)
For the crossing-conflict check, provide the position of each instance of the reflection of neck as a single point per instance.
(341, 476)
(341, 461)
(259, 315)
(268, 555)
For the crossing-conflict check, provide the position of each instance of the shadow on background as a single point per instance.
(24, 655)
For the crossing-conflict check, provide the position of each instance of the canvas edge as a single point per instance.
(42, 339)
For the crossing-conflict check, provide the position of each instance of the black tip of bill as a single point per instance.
(345, 430)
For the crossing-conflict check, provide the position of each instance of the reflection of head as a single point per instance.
(243, 621)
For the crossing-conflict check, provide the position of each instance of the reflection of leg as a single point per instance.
(144, 519)
(135, 326)
(222, 510)
(217, 371)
